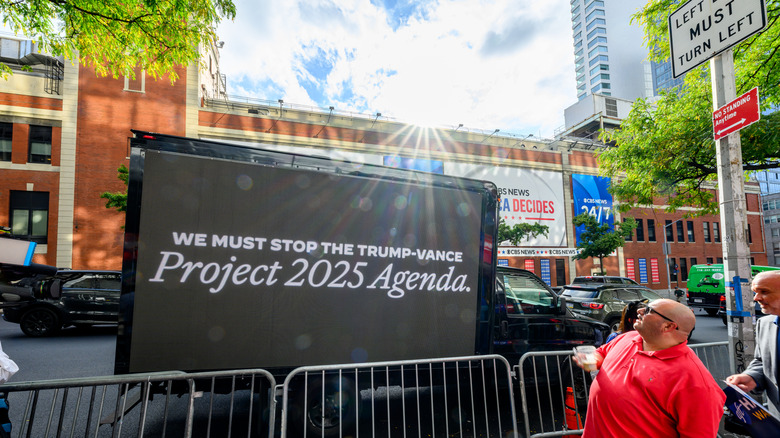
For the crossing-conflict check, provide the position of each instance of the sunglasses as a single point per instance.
(649, 310)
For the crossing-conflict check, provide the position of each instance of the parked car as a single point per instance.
(69, 297)
(604, 302)
(603, 279)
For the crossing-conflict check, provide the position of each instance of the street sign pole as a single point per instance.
(733, 217)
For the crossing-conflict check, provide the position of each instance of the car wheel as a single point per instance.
(39, 322)
(711, 312)
(614, 324)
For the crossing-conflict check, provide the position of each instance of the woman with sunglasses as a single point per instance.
(652, 374)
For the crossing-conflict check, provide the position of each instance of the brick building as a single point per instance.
(64, 131)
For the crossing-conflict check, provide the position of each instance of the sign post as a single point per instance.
(702, 30)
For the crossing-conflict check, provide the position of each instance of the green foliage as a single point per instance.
(599, 240)
(665, 150)
(116, 37)
(518, 232)
(118, 200)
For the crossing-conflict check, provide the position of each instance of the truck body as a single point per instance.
(705, 285)
(239, 257)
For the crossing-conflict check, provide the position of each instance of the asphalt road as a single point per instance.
(75, 352)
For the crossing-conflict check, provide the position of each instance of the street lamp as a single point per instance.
(666, 255)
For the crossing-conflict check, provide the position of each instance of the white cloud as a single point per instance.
(504, 64)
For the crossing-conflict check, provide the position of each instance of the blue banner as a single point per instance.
(643, 271)
(546, 271)
(591, 196)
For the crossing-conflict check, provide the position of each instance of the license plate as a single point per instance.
(698, 300)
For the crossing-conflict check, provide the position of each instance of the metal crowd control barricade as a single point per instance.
(174, 404)
(463, 396)
(545, 377)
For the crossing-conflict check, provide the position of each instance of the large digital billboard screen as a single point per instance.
(240, 265)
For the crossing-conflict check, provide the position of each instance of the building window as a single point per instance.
(30, 215)
(593, 4)
(720, 260)
(40, 144)
(694, 261)
(598, 40)
(750, 235)
(599, 49)
(775, 232)
(594, 23)
(599, 58)
(138, 84)
(651, 230)
(709, 260)
(597, 31)
(594, 13)
(683, 269)
(691, 237)
(630, 236)
(669, 231)
(672, 270)
(640, 230)
(706, 230)
(680, 233)
(6, 134)
(716, 231)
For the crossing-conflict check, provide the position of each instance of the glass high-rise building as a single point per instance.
(610, 56)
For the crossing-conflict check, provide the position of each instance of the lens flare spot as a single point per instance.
(216, 334)
(464, 209)
(303, 342)
(400, 202)
(244, 182)
(359, 355)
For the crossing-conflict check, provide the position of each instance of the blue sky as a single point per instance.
(502, 64)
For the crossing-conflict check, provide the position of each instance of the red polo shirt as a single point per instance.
(667, 393)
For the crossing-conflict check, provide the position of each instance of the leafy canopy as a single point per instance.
(118, 200)
(599, 240)
(115, 37)
(666, 149)
(518, 232)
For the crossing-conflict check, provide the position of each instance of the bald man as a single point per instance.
(762, 372)
(651, 384)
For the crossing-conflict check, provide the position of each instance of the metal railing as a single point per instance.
(159, 404)
(464, 396)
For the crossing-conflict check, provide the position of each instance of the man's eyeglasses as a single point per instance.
(649, 310)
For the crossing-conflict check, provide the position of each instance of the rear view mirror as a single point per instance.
(561, 305)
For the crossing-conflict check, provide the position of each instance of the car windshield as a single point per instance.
(575, 293)
(578, 280)
(526, 295)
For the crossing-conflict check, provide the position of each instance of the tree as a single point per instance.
(116, 37)
(118, 200)
(520, 231)
(666, 149)
(599, 240)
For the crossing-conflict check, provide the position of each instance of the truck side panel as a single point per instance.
(240, 265)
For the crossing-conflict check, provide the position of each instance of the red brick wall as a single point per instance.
(106, 114)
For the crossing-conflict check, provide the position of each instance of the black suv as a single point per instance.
(43, 305)
(605, 302)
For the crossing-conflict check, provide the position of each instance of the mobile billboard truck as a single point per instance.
(238, 257)
(706, 289)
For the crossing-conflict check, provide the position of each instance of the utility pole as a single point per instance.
(733, 217)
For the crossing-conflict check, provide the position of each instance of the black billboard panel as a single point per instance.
(240, 265)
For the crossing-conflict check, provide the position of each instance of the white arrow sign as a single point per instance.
(720, 131)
